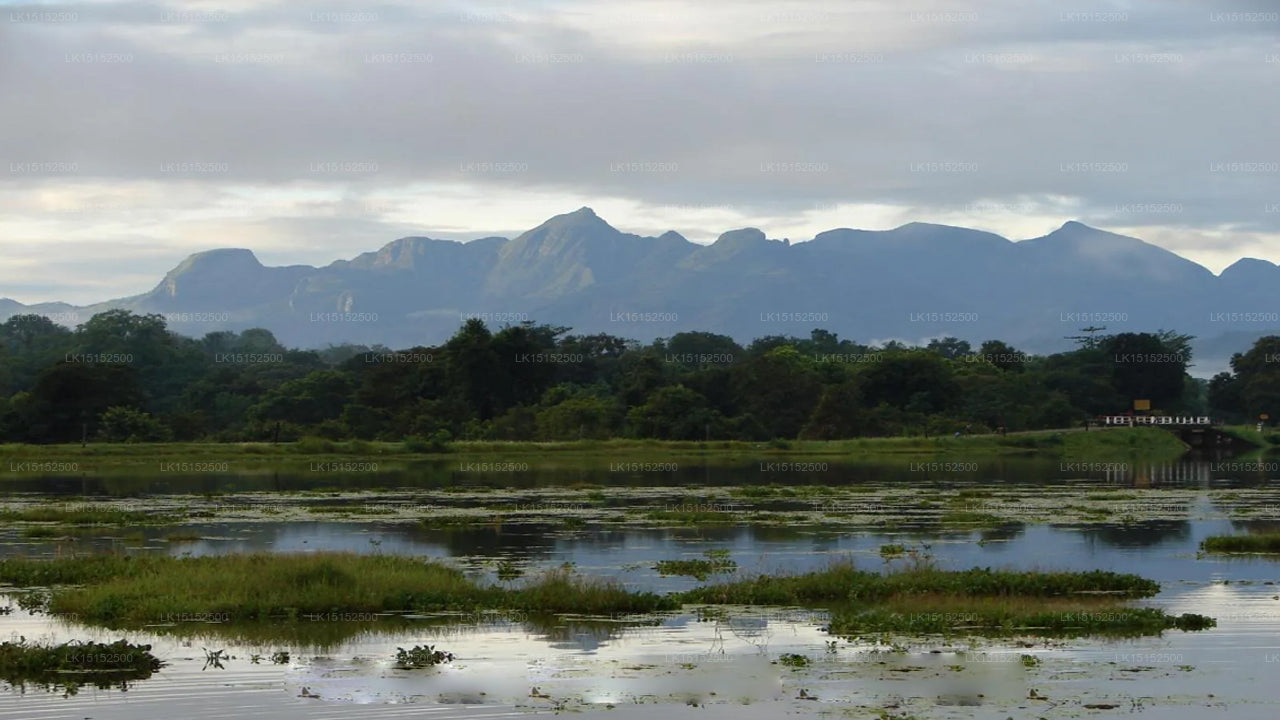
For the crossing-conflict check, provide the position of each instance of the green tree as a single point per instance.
(126, 424)
(310, 400)
(1002, 355)
(780, 389)
(675, 412)
(949, 347)
(1145, 366)
(1257, 373)
(68, 399)
(915, 381)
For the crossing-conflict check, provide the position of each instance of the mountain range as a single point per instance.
(911, 283)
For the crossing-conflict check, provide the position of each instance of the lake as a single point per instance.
(1022, 513)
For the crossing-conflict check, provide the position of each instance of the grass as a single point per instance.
(80, 515)
(980, 602)
(842, 582)
(971, 518)
(1258, 543)
(250, 592)
(693, 517)
(1058, 617)
(96, 456)
(69, 666)
(715, 563)
(1110, 442)
(892, 550)
(129, 591)
(1250, 435)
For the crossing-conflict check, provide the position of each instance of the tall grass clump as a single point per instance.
(118, 590)
(1259, 543)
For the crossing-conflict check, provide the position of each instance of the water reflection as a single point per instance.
(1139, 534)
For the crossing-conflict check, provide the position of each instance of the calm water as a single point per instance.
(684, 666)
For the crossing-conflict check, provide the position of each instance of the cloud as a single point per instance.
(311, 133)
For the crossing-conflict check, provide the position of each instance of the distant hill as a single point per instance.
(910, 283)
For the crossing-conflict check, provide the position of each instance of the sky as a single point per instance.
(133, 134)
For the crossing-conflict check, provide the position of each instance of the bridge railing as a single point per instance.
(1129, 420)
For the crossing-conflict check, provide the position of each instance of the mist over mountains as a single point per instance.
(911, 283)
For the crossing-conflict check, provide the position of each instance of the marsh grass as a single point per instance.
(122, 590)
(842, 582)
(349, 510)
(960, 516)
(1268, 543)
(1050, 617)
(692, 517)
(921, 599)
(696, 568)
(80, 515)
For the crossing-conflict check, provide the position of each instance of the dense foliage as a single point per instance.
(126, 377)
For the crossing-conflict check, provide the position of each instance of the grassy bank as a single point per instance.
(1257, 543)
(1268, 438)
(1053, 443)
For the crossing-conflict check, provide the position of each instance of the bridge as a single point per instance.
(1198, 431)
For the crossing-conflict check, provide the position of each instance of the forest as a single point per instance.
(124, 377)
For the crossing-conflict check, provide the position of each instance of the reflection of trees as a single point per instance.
(1256, 526)
(1139, 534)
(523, 540)
(1007, 531)
(583, 634)
(934, 531)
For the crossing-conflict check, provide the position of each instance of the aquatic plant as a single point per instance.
(69, 666)
(421, 656)
(1256, 543)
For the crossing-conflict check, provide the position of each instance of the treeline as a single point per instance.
(126, 377)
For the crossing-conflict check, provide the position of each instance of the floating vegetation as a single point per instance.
(971, 518)
(892, 550)
(81, 515)
(421, 656)
(792, 660)
(67, 667)
(700, 569)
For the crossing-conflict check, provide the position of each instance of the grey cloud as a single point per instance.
(782, 114)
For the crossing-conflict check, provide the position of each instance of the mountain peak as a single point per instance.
(221, 260)
(1252, 270)
(583, 219)
(743, 236)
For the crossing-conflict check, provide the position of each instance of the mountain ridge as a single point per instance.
(576, 269)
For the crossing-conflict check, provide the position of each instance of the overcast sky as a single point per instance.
(136, 133)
